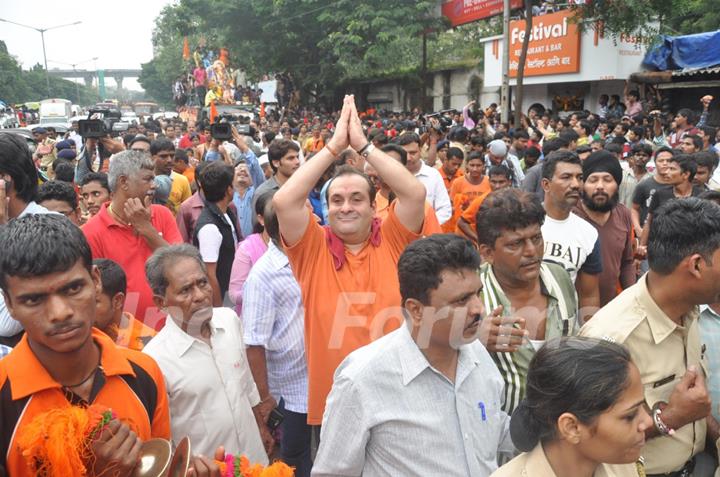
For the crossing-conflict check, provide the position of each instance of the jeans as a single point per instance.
(295, 441)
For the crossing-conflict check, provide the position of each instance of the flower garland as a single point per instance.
(239, 466)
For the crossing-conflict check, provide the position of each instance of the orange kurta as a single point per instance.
(349, 307)
(431, 225)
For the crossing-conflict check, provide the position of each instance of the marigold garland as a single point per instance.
(239, 466)
(56, 443)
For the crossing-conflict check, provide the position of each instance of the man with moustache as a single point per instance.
(535, 295)
(637, 172)
(201, 353)
(679, 172)
(50, 285)
(657, 321)
(569, 240)
(429, 385)
(602, 175)
(128, 229)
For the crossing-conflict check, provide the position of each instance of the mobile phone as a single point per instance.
(275, 419)
(8, 183)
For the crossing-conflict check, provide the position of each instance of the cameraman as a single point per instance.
(95, 156)
(234, 148)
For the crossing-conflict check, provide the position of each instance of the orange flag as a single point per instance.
(213, 112)
(186, 49)
(262, 109)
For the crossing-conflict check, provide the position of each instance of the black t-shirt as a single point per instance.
(661, 196)
(643, 194)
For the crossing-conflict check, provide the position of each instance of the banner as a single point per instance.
(554, 45)
(460, 12)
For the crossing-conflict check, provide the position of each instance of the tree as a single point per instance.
(321, 43)
(648, 18)
(20, 86)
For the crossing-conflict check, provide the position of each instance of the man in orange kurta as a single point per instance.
(347, 271)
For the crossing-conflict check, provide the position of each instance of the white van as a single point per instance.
(55, 111)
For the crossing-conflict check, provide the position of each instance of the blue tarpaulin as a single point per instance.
(701, 50)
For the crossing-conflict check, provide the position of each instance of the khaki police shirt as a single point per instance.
(662, 351)
(535, 464)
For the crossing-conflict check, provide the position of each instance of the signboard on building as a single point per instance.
(554, 45)
(460, 12)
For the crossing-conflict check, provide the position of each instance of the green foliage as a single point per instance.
(649, 18)
(322, 43)
(325, 44)
(19, 86)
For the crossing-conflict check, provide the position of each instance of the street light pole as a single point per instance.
(505, 88)
(42, 37)
(47, 74)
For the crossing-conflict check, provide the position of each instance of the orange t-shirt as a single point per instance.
(338, 303)
(449, 180)
(190, 174)
(470, 213)
(133, 387)
(431, 225)
(133, 333)
(462, 194)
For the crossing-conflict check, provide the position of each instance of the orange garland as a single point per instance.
(55, 443)
(276, 469)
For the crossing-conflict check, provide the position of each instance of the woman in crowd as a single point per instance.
(584, 414)
(248, 252)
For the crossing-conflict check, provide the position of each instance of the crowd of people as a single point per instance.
(371, 293)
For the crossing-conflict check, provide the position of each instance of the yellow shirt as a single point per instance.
(179, 192)
(535, 464)
(662, 351)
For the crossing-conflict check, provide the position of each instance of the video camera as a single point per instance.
(222, 130)
(444, 118)
(100, 123)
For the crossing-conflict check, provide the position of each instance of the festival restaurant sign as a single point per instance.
(554, 46)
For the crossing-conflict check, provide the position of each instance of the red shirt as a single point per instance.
(109, 239)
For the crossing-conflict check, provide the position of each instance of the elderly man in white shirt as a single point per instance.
(200, 351)
(425, 399)
(437, 194)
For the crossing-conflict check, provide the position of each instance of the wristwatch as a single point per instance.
(365, 151)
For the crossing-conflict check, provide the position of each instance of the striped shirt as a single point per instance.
(556, 285)
(273, 318)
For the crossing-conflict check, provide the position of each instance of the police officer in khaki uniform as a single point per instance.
(584, 407)
(656, 319)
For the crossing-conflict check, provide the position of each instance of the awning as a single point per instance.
(697, 71)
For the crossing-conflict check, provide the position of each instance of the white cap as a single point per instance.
(497, 148)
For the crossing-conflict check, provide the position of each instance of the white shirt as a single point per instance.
(436, 193)
(273, 317)
(568, 242)
(210, 239)
(390, 413)
(211, 390)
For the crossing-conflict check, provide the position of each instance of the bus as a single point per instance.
(146, 108)
(55, 111)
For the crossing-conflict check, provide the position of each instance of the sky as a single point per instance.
(119, 34)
